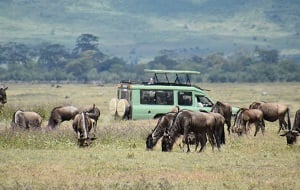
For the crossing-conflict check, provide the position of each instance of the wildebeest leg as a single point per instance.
(246, 129)
(228, 123)
(198, 139)
(187, 144)
(282, 124)
(263, 127)
(218, 139)
(257, 126)
(211, 139)
(185, 139)
(203, 140)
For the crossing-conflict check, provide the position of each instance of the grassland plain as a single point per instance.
(117, 159)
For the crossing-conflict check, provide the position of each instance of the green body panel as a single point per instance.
(149, 111)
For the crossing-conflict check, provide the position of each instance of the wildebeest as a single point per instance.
(162, 124)
(26, 120)
(225, 110)
(245, 117)
(291, 135)
(198, 122)
(82, 125)
(60, 114)
(273, 112)
(3, 99)
(93, 112)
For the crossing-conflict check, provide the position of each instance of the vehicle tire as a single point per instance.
(113, 106)
(122, 108)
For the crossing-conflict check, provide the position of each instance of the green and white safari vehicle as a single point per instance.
(164, 91)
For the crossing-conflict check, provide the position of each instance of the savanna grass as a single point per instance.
(118, 159)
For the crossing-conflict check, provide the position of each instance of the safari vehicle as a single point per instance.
(165, 90)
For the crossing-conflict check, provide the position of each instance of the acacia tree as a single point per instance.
(86, 42)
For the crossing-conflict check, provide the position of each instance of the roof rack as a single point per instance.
(176, 73)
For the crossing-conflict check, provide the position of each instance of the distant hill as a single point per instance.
(141, 28)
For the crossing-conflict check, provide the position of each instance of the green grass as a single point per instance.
(117, 159)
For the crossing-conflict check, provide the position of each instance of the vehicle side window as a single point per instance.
(185, 98)
(204, 101)
(157, 97)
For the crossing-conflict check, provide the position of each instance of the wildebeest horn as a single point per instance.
(285, 132)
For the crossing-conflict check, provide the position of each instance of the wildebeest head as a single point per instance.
(166, 142)
(3, 99)
(291, 136)
(149, 142)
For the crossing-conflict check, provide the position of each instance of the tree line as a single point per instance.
(85, 62)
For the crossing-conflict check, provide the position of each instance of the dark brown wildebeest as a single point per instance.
(225, 110)
(200, 123)
(82, 125)
(3, 99)
(273, 112)
(26, 120)
(291, 135)
(93, 112)
(162, 124)
(60, 114)
(245, 117)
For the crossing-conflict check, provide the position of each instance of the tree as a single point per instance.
(53, 56)
(85, 42)
(267, 56)
(15, 53)
(162, 62)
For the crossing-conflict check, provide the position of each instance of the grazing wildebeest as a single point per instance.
(3, 99)
(291, 135)
(273, 112)
(26, 120)
(60, 114)
(198, 122)
(245, 117)
(82, 125)
(162, 124)
(225, 110)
